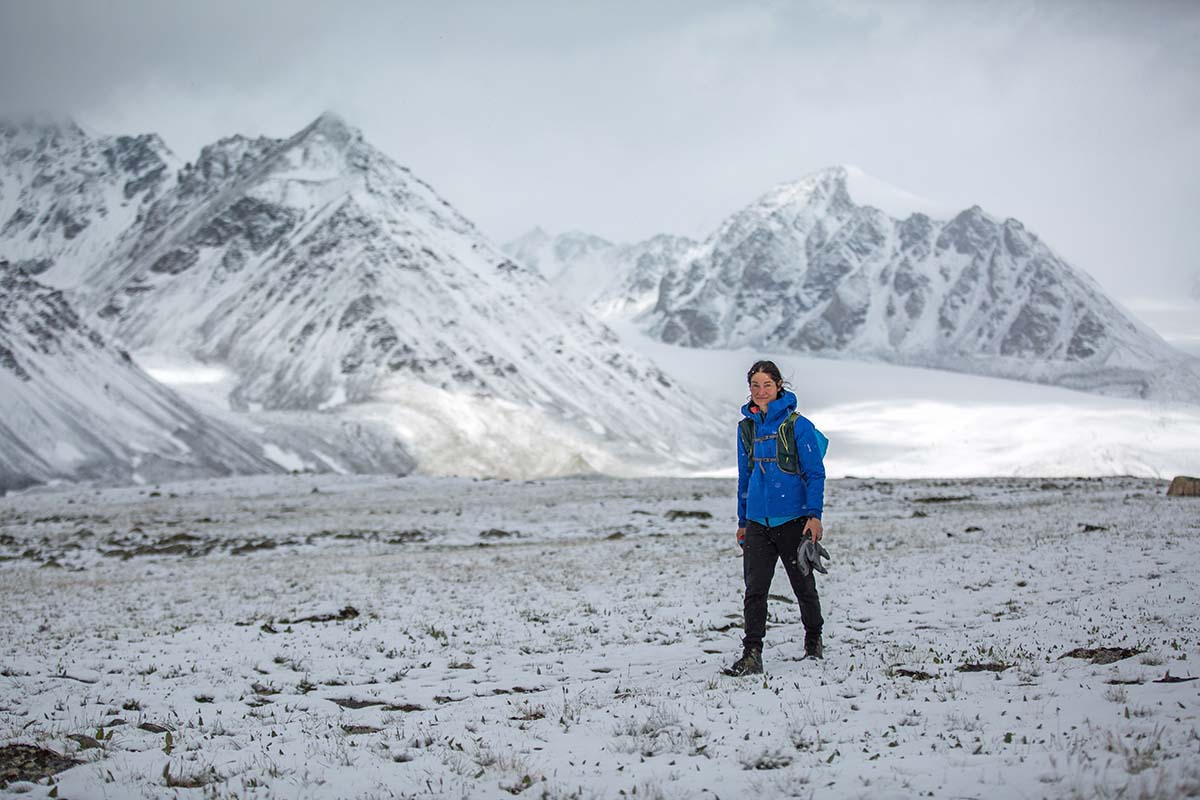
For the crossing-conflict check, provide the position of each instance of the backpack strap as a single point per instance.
(746, 430)
(787, 440)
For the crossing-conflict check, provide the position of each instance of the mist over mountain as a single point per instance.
(610, 279)
(840, 264)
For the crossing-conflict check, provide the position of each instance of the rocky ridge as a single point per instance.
(328, 280)
(67, 196)
(809, 268)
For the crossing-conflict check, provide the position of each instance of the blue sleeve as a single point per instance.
(743, 480)
(813, 467)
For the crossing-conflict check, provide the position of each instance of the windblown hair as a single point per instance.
(769, 368)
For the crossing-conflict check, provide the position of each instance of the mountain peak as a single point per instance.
(861, 189)
(332, 128)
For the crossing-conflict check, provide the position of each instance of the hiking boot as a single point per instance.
(813, 647)
(749, 664)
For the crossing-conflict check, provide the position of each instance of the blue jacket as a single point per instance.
(768, 492)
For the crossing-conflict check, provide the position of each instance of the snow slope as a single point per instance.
(67, 196)
(325, 277)
(74, 407)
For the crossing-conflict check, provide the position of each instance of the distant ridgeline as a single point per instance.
(840, 264)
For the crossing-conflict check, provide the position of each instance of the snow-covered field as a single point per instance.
(894, 421)
(326, 636)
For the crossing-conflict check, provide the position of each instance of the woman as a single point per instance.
(781, 487)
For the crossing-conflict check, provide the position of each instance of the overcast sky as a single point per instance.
(628, 119)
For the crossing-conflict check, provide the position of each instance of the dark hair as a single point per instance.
(770, 369)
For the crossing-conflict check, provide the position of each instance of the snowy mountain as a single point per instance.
(325, 277)
(66, 196)
(612, 280)
(72, 406)
(815, 266)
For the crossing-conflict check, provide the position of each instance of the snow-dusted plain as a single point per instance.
(330, 636)
(907, 422)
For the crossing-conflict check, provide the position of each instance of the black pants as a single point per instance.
(763, 546)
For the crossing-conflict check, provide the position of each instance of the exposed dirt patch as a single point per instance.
(987, 667)
(407, 708)
(944, 499)
(530, 715)
(408, 537)
(250, 547)
(354, 702)
(177, 544)
(24, 762)
(675, 514)
(497, 533)
(1101, 655)
(349, 612)
(1169, 678)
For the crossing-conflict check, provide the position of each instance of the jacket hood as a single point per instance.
(777, 409)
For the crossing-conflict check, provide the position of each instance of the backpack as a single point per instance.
(785, 443)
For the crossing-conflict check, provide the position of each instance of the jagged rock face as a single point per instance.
(806, 268)
(73, 406)
(323, 273)
(609, 279)
(66, 196)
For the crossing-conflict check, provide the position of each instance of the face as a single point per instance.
(763, 389)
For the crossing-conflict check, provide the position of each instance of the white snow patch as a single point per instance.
(285, 458)
(66, 453)
(332, 463)
(336, 399)
(206, 385)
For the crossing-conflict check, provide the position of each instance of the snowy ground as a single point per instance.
(564, 639)
(890, 421)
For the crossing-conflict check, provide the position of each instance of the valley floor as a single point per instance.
(324, 636)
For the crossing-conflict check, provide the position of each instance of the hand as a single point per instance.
(741, 537)
(813, 528)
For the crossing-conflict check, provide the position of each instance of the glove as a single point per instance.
(809, 556)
